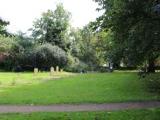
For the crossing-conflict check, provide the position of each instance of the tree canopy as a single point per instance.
(3, 25)
(135, 27)
(52, 27)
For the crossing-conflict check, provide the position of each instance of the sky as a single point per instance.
(22, 13)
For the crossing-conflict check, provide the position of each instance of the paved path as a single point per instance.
(81, 107)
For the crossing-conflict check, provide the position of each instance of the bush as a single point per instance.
(48, 55)
(153, 82)
(75, 65)
(126, 68)
(80, 67)
(21, 55)
(6, 43)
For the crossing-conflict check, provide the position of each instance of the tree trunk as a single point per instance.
(151, 66)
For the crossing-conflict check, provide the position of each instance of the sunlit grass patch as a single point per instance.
(75, 89)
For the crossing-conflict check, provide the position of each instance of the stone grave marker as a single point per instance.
(61, 70)
(35, 70)
(57, 68)
(51, 70)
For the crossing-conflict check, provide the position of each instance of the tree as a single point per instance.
(92, 47)
(5, 48)
(3, 25)
(135, 28)
(22, 52)
(103, 46)
(52, 27)
(6, 43)
(75, 39)
(89, 46)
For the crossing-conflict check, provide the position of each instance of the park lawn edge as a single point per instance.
(136, 114)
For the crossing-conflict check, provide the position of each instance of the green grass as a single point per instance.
(6, 78)
(82, 88)
(149, 114)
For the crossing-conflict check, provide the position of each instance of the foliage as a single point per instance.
(52, 27)
(153, 82)
(54, 43)
(5, 48)
(25, 54)
(51, 49)
(47, 55)
(21, 53)
(3, 25)
(89, 49)
(76, 42)
(88, 46)
(6, 43)
(135, 28)
(75, 65)
(104, 45)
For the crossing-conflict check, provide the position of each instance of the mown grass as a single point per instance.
(7, 78)
(82, 88)
(149, 114)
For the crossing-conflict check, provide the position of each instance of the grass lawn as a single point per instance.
(149, 114)
(82, 88)
(7, 78)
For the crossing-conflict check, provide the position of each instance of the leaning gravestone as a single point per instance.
(51, 70)
(57, 68)
(35, 70)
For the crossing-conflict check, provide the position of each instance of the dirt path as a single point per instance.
(80, 107)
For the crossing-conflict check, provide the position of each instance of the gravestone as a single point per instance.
(61, 70)
(57, 68)
(51, 70)
(35, 70)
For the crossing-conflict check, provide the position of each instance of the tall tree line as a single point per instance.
(53, 42)
(135, 29)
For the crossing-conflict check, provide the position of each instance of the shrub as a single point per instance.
(6, 43)
(21, 54)
(48, 55)
(75, 65)
(153, 82)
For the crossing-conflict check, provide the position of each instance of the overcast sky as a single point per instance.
(22, 13)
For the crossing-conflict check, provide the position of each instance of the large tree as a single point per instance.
(88, 46)
(135, 25)
(52, 27)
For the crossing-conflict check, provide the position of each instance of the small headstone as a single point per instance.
(35, 70)
(57, 68)
(61, 70)
(51, 70)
